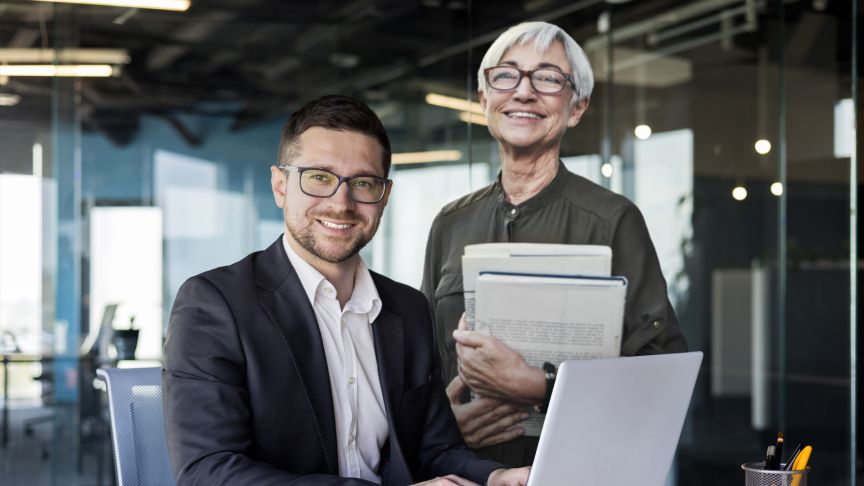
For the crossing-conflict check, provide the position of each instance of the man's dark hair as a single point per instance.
(334, 112)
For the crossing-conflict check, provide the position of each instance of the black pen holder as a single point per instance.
(755, 474)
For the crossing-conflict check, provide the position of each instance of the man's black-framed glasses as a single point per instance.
(507, 78)
(323, 183)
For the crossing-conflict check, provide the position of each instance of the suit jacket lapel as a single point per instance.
(389, 350)
(282, 297)
(388, 333)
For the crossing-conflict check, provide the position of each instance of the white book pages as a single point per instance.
(536, 258)
(536, 249)
(552, 318)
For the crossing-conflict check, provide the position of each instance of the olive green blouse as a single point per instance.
(571, 209)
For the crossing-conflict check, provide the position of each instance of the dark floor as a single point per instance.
(68, 450)
(62, 450)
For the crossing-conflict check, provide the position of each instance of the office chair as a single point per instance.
(47, 379)
(137, 426)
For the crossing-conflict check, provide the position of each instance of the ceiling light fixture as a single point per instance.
(607, 170)
(474, 118)
(426, 157)
(777, 189)
(762, 146)
(175, 5)
(65, 56)
(458, 104)
(58, 70)
(642, 132)
(739, 193)
(9, 99)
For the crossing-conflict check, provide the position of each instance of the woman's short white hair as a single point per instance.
(541, 35)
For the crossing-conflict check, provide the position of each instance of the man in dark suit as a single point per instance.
(297, 365)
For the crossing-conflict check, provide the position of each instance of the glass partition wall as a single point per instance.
(729, 120)
(730, 123)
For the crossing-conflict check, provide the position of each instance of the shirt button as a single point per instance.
(351, 439)
(351, 380)
(513, 211)
(658, 323)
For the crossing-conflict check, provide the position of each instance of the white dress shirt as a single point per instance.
(358, 403)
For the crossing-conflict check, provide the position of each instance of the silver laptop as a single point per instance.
(615, 421)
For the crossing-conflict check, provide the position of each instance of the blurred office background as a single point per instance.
(729, 122)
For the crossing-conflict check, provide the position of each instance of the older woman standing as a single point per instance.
(534, 83)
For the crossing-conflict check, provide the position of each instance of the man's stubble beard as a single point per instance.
(307, 241)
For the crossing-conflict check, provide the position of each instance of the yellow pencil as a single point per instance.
(801, 463)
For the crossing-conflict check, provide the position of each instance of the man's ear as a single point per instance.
(482, 98)
(576, 112)
(278, 182)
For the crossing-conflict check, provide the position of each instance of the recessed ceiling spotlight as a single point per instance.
(762, 146)
(607, 170)
(642, 132)
(777, 189)
(739, 193)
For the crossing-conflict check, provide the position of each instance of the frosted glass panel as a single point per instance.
(844, 118)
(663, 171)
(588, 166)
(417, 196)
(205, 225)
(126, 269)
(21, 260)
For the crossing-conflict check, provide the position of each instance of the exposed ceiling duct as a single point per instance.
(259, 59)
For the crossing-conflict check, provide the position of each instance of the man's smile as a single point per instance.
(335, 225)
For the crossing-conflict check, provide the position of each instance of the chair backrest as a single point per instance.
(137, 426)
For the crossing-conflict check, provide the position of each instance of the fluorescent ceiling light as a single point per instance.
(61, 70)
(65, 56)
(457, 104)
(473, 118)
(178, 5)
(9, 99)
(424, 157)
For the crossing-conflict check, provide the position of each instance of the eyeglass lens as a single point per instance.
(322, 183)
(542, 80)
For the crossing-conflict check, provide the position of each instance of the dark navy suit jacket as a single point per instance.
(246, 389)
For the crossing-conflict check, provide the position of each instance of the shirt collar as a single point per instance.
(364, 299)
(539, 200)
